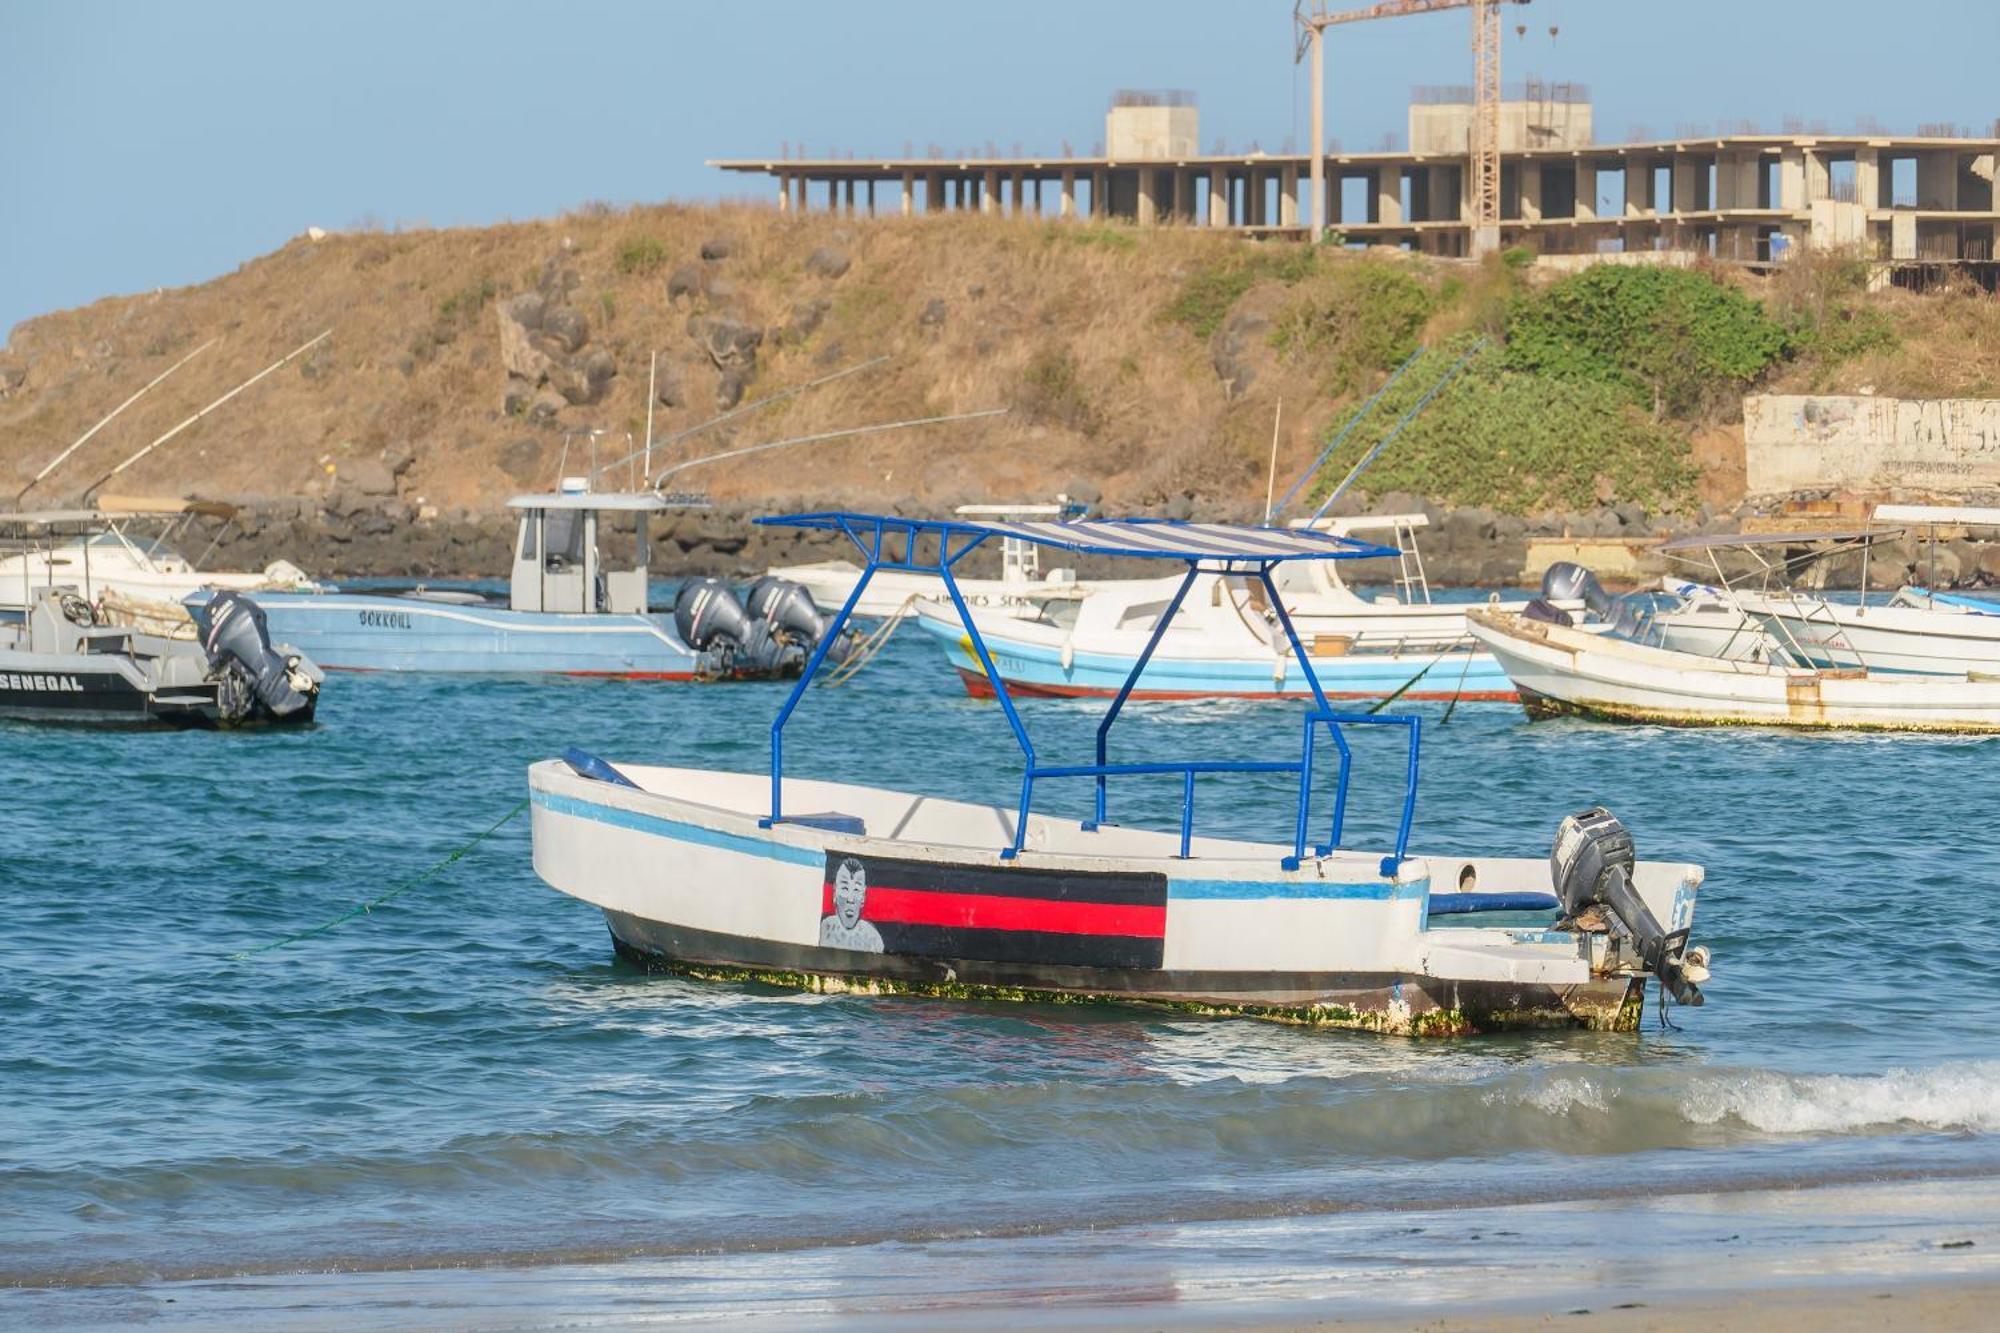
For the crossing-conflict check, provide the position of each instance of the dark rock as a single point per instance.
(729, 390)
(1083, 491)
(717, 247)
(526, 309)
(548, 403)
(566, 326)
(932, 315)
(729, 342)
(1239, 338)
(828, 262)
(805, 321)
(668, 390)
(684, 281)
(522, 460)
(1631, 514)
(718, 289)
(520, 396)
(1179, 507)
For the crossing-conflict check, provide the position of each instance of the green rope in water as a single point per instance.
(1456, 694)
(1404, 688)
(397, 892)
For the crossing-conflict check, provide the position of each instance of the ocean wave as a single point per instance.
(1964, 1097)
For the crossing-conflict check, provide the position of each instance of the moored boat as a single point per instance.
(1561, 668)
(838, 886)
(569, 611)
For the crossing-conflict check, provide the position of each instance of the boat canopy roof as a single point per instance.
(41, 519)
(1351, 523)
(624, 501)
(1959, 515)
(1723, 541)
(1144, 538)
(137, 506)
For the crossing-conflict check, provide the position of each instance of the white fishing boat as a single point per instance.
(894, 593)
(1915, 630)
(129, 546)
(839, 886)
(1559, 668)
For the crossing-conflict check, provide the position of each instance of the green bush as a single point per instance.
(1363, 315)
(1204, 299)
(1514, 441)
(1673, 341)
(640, 257)
(1051, 390)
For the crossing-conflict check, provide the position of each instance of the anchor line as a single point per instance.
(869, 648)
(364, 909)
(1404, 688)
(1459, 692)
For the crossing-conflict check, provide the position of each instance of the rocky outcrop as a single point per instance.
(544, 348)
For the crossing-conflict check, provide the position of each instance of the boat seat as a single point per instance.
(829, 821)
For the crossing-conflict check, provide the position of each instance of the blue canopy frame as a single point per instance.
(932, 546)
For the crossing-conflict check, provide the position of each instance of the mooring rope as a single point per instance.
(401, 889)
(1404, 688)
(870, 646)
(1459, 693)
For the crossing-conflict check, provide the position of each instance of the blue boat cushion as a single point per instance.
(587, 765)
(1456, 904)
(830, 821)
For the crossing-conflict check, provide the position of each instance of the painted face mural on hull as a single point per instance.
(843, 928)
(994, 913)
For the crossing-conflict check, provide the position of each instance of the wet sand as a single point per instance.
(1919, 1254)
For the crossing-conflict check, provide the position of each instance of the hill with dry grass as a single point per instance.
(1145, 366)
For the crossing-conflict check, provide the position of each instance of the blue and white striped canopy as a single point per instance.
(1145, 538)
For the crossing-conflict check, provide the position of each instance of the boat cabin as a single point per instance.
(559, 564)
(1398, 531)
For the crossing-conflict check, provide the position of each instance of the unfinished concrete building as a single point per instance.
(1926, 198)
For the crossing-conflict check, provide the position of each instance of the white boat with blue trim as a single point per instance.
(840, 887)
(569, 610)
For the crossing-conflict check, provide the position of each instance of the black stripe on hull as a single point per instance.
(954, 943)
(1374, 1001)
(1122, 888)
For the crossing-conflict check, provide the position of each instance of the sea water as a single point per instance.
(467, 1075)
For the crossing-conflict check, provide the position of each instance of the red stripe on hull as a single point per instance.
(593, 675)
(979, 687)
(983, 911)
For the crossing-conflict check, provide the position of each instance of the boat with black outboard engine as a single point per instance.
(835, 886)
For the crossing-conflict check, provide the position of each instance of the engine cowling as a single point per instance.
(1591, 866)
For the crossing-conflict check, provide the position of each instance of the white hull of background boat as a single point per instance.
(899, 893)
(1561, 670)
(1911, 635)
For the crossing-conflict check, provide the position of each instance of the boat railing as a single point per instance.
(935, 547)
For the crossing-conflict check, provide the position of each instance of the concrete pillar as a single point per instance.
(1440, 203)
(1736, 180)
(1332, 213)
(934, 192)
(1819, 176)
(1686, 193)
(1218, 197)
(1253, 197)
(799, 184)
(1100, 192)
(1586, 191)
(1183, 195)
(1068, 209)
(1149, 204)
(1638, 187)
(1020, 192)
(1868, 177)
(1038, 196)
(784, 193)
(1937, 180)
(1388, 194)
(989, 191)
(1530, 176)
(1792, 180)
(1288, 196)
(871, 199)
(849, 206)
(909, 192)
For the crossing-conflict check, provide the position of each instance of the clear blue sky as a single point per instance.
(151, 144)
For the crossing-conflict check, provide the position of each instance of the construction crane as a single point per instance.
(1312, 18)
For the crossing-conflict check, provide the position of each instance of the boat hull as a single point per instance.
(101, 689)
(1889, 639)
(1561, 671)
(360, 632)
(688, 881)
(1032, 668)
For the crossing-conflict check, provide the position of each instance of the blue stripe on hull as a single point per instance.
(1357, 673)
(357, 632)
(1178, 890)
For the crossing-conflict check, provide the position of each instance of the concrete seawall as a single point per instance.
(1796, 442)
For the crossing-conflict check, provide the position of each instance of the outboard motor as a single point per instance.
(712, 622)
(788, 608)
(239, 646)
(1565, 581)
(1591, 866)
